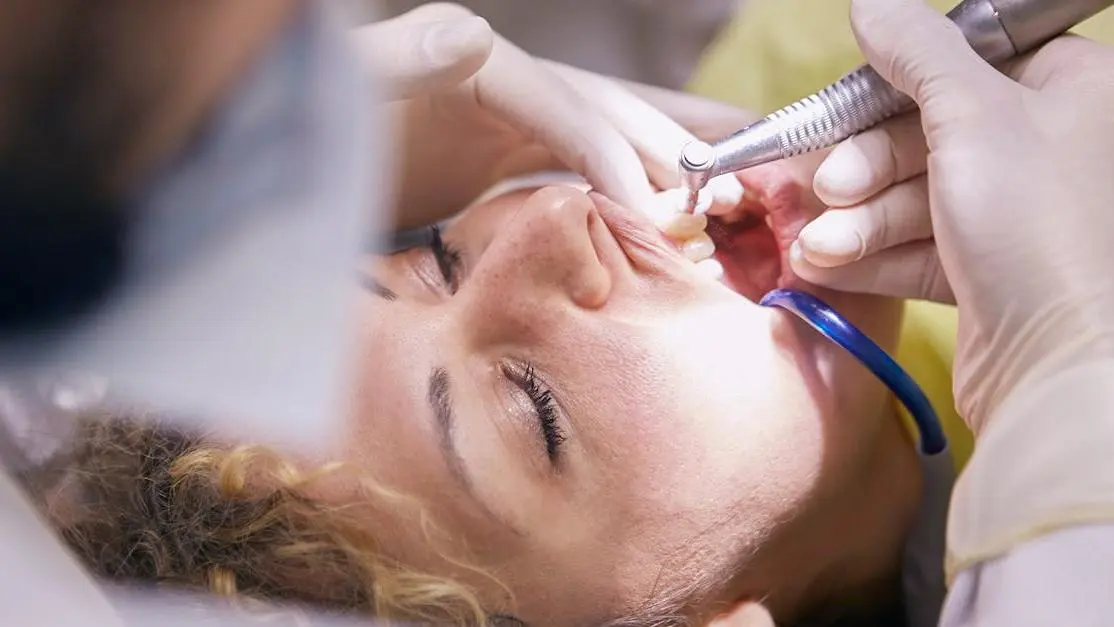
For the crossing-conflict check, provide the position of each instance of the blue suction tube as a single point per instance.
(836, 328)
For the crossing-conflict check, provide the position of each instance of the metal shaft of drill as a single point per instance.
(995, 29)
(855, 103)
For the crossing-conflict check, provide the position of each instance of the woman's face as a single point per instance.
(590, 416)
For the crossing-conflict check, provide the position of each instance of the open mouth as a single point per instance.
(754, 248)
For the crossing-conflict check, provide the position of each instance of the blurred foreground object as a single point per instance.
(42, 585)
(217, 291)
(657, 42)
(222, 289)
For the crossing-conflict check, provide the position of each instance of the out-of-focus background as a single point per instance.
(757, 54)
(658, 42)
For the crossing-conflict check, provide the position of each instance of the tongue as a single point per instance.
(753, 245)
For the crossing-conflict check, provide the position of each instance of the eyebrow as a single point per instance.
(439, 395)
(441, 401)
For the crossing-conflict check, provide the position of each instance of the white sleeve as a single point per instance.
(1063, 578)
(1042, 463)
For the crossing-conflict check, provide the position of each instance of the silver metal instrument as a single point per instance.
(996, 29)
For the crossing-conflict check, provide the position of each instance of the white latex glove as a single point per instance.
(1015, 183)
(479, 110)
(430, 49)
(1020, 181)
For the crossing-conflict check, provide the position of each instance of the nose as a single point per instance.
(544, 258)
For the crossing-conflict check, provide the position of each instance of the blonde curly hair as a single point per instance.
(146, 502)
(141, 501)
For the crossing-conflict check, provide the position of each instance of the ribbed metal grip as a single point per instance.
(996, 30)
(847, 107)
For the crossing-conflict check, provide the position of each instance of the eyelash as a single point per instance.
(448, 260)
(546, 407)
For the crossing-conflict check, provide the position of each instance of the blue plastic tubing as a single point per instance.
(836, 328)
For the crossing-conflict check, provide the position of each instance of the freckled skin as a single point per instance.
(695, 422)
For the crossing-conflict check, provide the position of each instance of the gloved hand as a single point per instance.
(1021, 187)
(477, 110)
(1015, 183)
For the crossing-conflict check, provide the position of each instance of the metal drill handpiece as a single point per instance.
(696, 163)
(849, 106)
(853, 104)
(996, 29)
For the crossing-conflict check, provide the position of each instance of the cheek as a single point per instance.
(749, 429)
(710, 425)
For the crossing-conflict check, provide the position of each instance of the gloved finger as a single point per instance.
(707, 119)
(530, 97)
(656, 137)
(896, 216)
(909, 271)
(924, 55)
(417, 57)
(869, 163)
(1060, 60)
(722, 195)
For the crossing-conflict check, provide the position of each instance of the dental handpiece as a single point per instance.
(996, 29)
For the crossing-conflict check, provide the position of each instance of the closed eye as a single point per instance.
(448, 260)
(545, 407)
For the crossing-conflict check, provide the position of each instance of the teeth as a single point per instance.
(682, 226)
(698, 247)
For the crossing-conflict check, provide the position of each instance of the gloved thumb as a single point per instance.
(923, 54)
(420, 57)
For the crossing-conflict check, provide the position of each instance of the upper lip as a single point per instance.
(644, 246)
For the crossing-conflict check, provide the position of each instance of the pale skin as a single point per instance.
(696, 431)
(696, 426)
